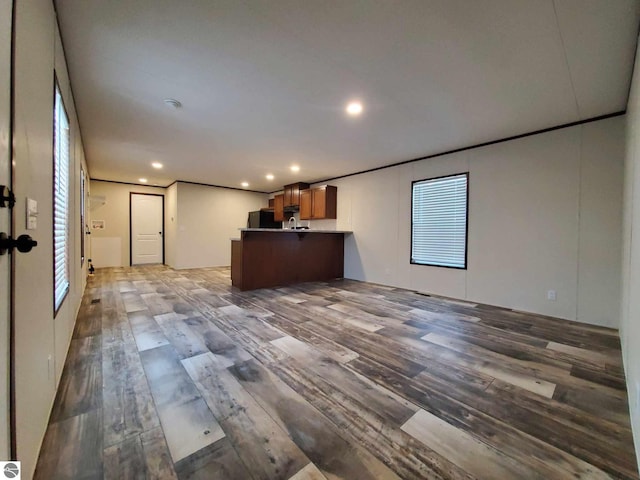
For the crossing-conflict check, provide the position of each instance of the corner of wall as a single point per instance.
(630, 296)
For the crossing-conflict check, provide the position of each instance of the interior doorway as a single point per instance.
(146, 214)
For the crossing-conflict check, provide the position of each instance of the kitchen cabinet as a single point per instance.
(319, 203)
(305, 204)
(292, 193)
(278, 208)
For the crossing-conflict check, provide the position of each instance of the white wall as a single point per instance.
(199, 221)
(171, 224)
(630, 305)
(111, 247)
(544, 213)
(207, 217)
(600, 236)
(41, 342)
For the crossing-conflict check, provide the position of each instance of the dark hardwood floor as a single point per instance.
(175, 374)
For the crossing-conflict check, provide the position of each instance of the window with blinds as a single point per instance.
(61, 142)
(439, 221)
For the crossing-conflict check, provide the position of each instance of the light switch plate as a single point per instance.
(32, 214)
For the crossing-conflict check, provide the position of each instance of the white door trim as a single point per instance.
(131, 239)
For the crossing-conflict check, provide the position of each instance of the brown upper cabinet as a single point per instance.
(292, 194)
(278, 208)
(318, 203)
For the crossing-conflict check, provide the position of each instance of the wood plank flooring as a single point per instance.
(177, 375)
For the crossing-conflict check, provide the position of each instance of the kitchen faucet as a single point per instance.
(295, 223)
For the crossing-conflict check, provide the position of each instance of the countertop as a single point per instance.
(286, 230)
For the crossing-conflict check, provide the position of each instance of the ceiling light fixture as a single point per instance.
(295, 168)
(354, 109)
(156, 165)
(269, 176)
(172, 102)
(245, 184)
(143, 180)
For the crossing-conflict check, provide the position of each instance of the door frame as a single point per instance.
(13, 448)
(131, 194)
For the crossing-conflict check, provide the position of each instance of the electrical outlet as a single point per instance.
(551, 295)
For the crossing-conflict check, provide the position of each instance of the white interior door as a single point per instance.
(5, 224)
(146, 228)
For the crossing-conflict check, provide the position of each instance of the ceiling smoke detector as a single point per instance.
(172, 102)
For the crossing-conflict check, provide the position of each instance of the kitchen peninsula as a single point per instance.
(264, 257)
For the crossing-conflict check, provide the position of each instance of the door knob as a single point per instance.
(24, 243)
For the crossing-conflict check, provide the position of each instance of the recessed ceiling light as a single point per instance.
(269, 176)
(295, 168)
(354, 109)
(143, 180)
(172, 102)
(245, 184)
(156, 165)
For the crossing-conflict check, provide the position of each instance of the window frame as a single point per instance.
(466, 232)
(57, 92)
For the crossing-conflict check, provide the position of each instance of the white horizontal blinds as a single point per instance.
(60, 201)
(439, 227)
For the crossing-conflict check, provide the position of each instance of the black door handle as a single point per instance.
(7, 198)
(24, 243)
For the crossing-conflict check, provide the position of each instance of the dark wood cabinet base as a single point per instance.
(269, 259)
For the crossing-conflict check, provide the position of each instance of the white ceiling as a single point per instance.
(264, 83)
